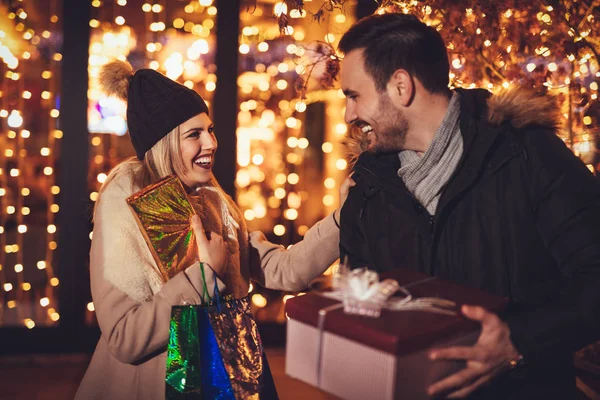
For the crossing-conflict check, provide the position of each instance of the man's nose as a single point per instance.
(350, 114)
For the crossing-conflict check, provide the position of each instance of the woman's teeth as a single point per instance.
(203, 161)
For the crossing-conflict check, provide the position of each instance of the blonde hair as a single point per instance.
(162, 160)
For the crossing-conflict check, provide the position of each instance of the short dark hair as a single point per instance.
(399, 41)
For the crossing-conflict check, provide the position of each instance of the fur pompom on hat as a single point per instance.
(155, 104)
(115, 77)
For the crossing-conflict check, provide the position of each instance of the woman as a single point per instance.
(172, 133)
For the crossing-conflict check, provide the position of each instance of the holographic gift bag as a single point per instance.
(215, 352)
(163, 211)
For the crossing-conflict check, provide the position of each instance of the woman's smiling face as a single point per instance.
(198, 146)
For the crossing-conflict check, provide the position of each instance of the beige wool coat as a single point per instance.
(133, 304)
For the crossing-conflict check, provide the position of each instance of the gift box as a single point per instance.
(360, 357)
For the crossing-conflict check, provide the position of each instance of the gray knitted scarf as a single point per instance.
(427, 176)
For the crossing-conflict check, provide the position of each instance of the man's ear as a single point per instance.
(400, 88)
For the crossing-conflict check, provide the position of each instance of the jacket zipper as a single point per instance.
(431, 217)
(431, 220)
(362, 207)
(365, 198)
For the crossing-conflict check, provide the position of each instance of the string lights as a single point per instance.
(290, 160)
(276, 158)
(31, 64)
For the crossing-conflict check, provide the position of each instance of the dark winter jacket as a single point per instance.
(519, 218)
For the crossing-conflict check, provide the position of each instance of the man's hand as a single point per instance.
(490, 356)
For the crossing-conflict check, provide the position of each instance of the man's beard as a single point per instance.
(392, 127)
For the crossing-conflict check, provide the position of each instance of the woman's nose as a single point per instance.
(209, 142)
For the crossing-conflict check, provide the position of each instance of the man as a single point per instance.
(479, 190)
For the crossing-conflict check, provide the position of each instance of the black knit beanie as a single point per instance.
(155, 106)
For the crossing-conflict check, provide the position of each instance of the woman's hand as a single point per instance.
(211, 251)
(344, 190)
